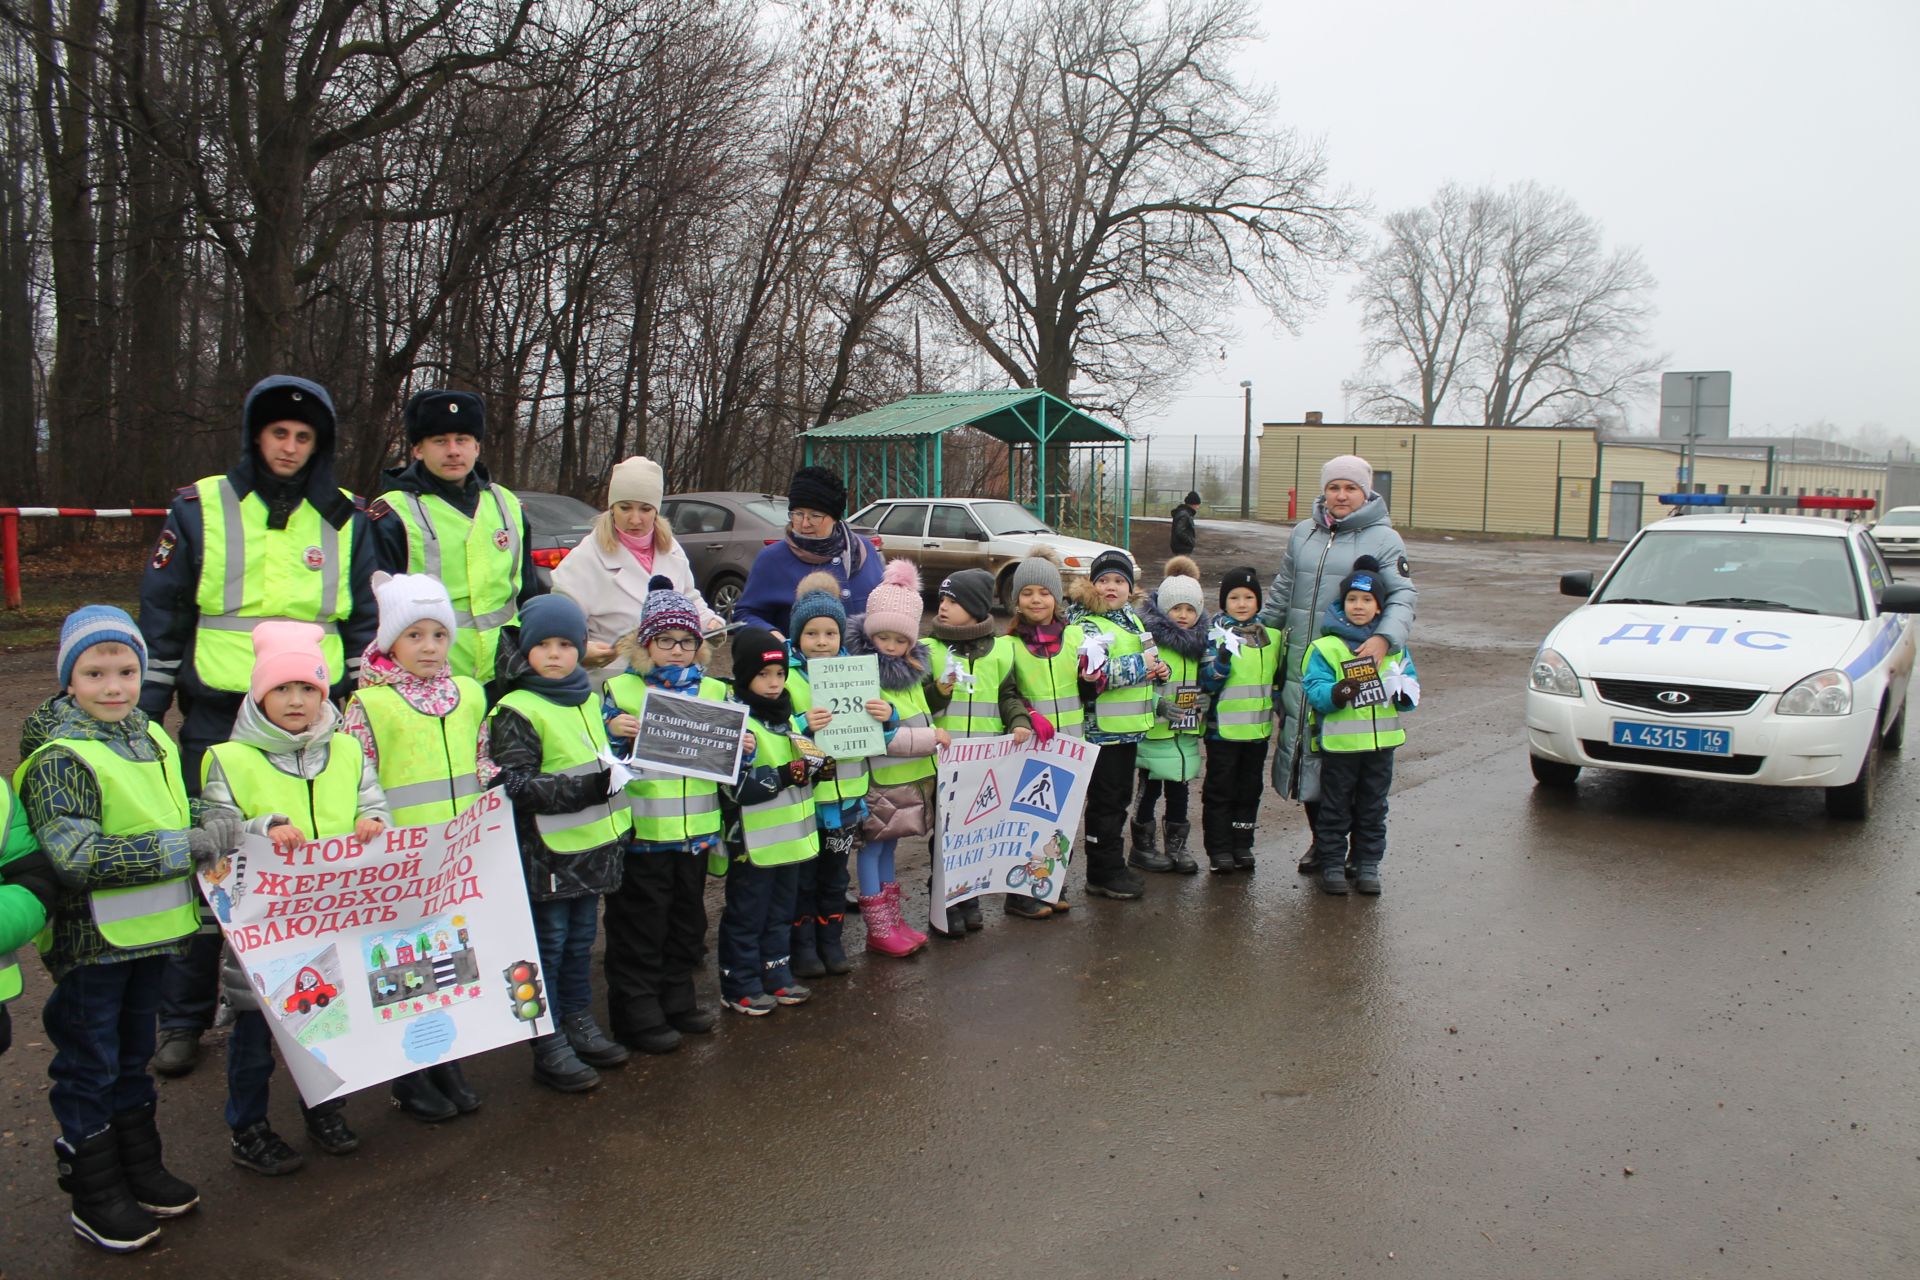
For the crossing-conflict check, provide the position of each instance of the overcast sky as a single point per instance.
(1762, 156)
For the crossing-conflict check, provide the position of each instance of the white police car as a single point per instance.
(1770, 649)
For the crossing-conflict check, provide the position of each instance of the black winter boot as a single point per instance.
(833, 955)
(970, 915)
(1107, 872)
(104, 1210)
(682, 1007)
(1243, 846)
(416, 1094)
(1177, 855)
(259, 1148)
(1146, 854)
(556, 1066)
(590, 1043)
(329, 1131)
(451, 1081)
(154, 1189)
(804, 950)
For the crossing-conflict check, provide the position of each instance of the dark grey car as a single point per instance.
(722, 533)
(555, 526)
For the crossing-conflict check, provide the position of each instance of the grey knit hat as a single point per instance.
(1040, 568)
(1181, 586)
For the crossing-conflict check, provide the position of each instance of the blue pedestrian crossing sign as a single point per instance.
(1042, 790)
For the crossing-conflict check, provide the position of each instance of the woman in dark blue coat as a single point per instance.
(817, 540)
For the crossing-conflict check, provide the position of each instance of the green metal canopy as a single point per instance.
(898, 451)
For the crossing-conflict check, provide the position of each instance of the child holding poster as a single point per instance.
(104, 797)
(1354, 709)
(550, 742)
(657, 918)
(1118, 664)
(900, 802)
(1242, 670)
(818, 624)
(970, 686)
(770, 831)
(286, 768)
(1046, 671)
(434, 727)
(1169, 756)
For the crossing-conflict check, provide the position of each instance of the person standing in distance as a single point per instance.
(441, 514)
(275, 538)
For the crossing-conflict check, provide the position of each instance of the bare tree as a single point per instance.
(1117, 187)
(1505, 308)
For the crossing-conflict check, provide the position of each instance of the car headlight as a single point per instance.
(1552, 674)
(1824, 693)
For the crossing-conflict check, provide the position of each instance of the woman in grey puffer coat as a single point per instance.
(1349, 520)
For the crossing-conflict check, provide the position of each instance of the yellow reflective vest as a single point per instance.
(1375, 728)
(478, 557)
(571, 740)
(136, 797)
(666, 808)
(1129, 708)
(780, 830)
(852, 777)
(893, 771)
(251, 574)
(1051, 686)
(322, 807)
(1243, 709)
(975, 712)
(429, 765)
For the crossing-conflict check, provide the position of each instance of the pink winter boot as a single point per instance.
(884, 929)
(891, 890)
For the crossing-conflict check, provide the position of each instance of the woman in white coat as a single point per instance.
(607, 574)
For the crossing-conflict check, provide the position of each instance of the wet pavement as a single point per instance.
(1650, 1028)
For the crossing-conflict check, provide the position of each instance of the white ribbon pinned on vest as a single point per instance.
(1094, 650)
(1226, 639)
(1400, 685)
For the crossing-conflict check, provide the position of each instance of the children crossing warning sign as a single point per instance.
(987, 801)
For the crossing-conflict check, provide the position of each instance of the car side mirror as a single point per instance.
(1900, 597)
(1577, 584)
(980, 535)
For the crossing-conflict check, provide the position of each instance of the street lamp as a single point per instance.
(1246, 454)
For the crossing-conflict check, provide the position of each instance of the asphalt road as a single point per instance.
(1650, 1028)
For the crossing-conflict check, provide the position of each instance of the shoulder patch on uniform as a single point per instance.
(358, 501)
(377, 508)
(188, 493)
(1406, 570)
(163, 550)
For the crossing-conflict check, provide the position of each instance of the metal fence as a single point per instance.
(1167, 467)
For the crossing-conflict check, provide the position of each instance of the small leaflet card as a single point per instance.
(1365, 674)
(1183, 708)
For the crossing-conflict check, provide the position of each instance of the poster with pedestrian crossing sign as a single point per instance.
(371, 961)
(1008, 815)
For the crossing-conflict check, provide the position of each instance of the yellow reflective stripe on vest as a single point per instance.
(1374, 728)
(1244, 710)
(483, 575)
(10, 982)
(894, 771)
(968, 714)
(250, 573)
(324, 806)
(136, 797)
(1051, 686)
(1128, 709)
(666, 808)
(784, 828)
(571, 740)
(428, 764)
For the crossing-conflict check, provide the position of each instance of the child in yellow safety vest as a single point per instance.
(657, 918)
(970, 688)
(103, 792)
(433, 726)
(1246, 665)
(818, 627)
(1354, 734)
(28, 888)
(771, 830)
(289, 774)
(1169, 756)
(1120, 663)
(549, 739)
(900, 801)
(1046, 673)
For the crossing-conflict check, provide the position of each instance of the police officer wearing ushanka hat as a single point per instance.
(274, 538)
(441, 514)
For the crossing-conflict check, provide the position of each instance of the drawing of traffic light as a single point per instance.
(525, 990)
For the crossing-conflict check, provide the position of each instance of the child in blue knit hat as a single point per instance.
(104, 793)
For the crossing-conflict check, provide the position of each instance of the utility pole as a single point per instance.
(1246, 453)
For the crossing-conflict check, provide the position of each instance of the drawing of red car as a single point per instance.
(310, 991)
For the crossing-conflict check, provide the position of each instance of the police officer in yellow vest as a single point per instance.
(442, 515)
(275, 537)
(105, 796)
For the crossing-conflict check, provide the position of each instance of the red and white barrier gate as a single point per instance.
(10, 518)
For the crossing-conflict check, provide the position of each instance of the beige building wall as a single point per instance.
(1532, 481)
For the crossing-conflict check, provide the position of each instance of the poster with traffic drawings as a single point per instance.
(375, 960)
(1007, 817)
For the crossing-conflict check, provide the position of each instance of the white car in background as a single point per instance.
(1765, 649)
(1897, 533)
(944, 535)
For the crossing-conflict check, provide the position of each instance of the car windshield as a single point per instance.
(555, 513)
(1737, 569)
(772, 510)
(1001, 518)
(1902, 518)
